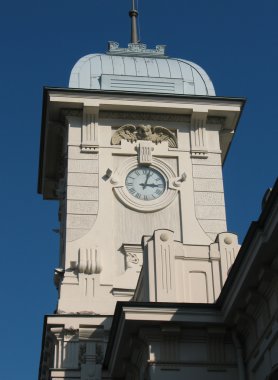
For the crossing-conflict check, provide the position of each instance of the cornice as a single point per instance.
(127, 94)
(160, 312)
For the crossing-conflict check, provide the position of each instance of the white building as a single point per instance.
(133, 151)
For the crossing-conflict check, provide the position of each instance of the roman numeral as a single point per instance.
(137, 195)
(158, 192)
(132, 190)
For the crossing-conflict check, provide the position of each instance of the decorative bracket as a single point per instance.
(133, 256)
(89, 261)
(179, 180)
(145, 149)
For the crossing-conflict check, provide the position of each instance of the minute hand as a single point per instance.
(148, 184)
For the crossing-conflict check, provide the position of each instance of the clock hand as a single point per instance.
(152, 185)
(147, 177)
(148, 184)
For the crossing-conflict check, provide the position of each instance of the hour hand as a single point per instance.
(147, 177)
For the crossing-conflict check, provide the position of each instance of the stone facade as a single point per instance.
(185, 302)
(232, 338)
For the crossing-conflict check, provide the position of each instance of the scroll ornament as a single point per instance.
(132, 134)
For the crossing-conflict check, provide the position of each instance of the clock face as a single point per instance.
(145, 183)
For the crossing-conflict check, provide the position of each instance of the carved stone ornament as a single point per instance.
(132, 133)
(132, 258)
(133, 255)
(136, 49)
(126, 132)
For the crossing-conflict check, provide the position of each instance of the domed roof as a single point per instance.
(140, 69)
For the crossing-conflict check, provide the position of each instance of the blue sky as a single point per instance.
(234, 41)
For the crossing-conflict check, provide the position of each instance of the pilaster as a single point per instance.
(198, 135)
(90, 130)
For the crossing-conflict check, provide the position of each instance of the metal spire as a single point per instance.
(133, 15)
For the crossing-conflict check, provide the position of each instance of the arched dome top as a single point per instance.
(140, 73)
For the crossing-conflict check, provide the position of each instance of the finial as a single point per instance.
(133, 15)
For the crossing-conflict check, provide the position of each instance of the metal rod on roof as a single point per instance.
(133, 15)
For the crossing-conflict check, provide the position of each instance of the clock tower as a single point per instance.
(133, 152)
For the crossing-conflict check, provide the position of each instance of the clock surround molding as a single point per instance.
(123, 195)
